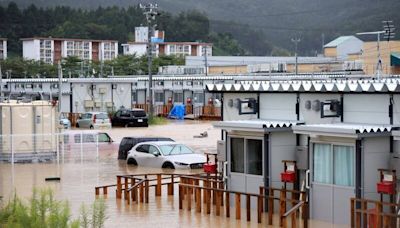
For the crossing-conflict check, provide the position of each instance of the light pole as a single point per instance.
(150, 11)
(295, 41)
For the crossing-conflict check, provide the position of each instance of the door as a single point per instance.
(332, 182)
(246, 164)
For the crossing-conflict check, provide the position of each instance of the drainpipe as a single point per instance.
(391, 121)
(266, 166)
(298, 106)
(222, 112)
(358, 186)
(258, 106)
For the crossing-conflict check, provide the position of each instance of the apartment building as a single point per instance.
(3, 48)
(161, 47)
(51, 50)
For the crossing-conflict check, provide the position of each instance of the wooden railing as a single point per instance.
(199, 112)
(372, 213)
(218, 195)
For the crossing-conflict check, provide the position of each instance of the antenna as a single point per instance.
(388, 34)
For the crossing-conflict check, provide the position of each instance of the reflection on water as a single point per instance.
(79, 177)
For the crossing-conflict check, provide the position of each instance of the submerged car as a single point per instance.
(129, 118)
(165, 154)
(128, 142)
(94, 120)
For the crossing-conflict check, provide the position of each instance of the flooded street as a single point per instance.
(80, 176)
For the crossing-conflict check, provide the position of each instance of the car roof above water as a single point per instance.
(160, 143)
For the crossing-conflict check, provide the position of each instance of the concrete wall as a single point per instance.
(232, 113)
(366, 108)
(31, 49)
(314, 117)
(375, 156)
(227, 69)
(278, 106)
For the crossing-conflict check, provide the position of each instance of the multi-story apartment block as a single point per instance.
(51, 50)
(160, 47)
(3, 48)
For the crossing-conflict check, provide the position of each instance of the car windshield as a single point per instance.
(175, 149)
(101, 116)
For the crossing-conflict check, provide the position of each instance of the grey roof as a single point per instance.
(337, 85)
(338, 41)
(257, 125)
(343, 129)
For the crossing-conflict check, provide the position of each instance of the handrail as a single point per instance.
(136, 185)
(293, 209)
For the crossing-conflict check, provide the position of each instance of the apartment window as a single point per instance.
(46, 53)
(197, 83)
(109, 51)
(159, 97)
(134, 96)
(107, 46)
(70, 53)
(86, 45)
(79, 49)
(178, 83)
(172, 49)
(186, 49)
(178, 97)
(334, 164)
(198, 97)
(189, 83)
(1, 45)
(86, 55)
(29, 86)
(70, 45)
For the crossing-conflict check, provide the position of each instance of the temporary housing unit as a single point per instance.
(27, 130)
(338, 131)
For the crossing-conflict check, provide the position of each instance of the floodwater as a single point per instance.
(80, 176)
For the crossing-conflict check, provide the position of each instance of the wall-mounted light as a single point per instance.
(307, 105)
(316, 105)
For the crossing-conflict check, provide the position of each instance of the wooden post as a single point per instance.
(248, 208)
(221, 186)
(305, 210)
(283, 222)
(180, 197)
(217, 203)
(378, 214)
(205, 184)
(237, 205)
(198, 199)
(105, 190)
(208, 201)
(214, 184)
(119, 188)
(141, 192)
(259, 208)
(147, 189)
(126, 186)
(133, 191)
(261, 193)
(270, 207)
(171, 186)
(189, 198)
(282, 203)
(364, 215)
(351, 213)
(294, 219)
(227, 205)
(158, 187)
(97, 191)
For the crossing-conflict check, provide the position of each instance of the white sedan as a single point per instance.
(165, 154)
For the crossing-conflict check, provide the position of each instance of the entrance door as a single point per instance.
(332, 182)
(246, 164)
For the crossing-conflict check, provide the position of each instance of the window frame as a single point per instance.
(245, 156)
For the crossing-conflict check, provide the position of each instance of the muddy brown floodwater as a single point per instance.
(79, 177)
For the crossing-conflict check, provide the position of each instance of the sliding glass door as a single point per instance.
(333, 180)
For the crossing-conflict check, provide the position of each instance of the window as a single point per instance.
(189, 83)
(198, 97)
(175, 149)
(178, 97)
(86, 45)
(143, 148)
(334, 164)
(86, 55)
(237, 155)
(133, 96)
(87, 138)
(153, 150)
(254, 157)
(172, 49)
(103, 137)
(70, 45)
(159, 97)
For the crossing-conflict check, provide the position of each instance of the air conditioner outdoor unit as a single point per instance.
(109, 104)
(97, 104)
(102, 90)
(89, 104)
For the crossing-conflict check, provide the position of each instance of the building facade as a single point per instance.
(339, 132)
(342, 46)
(52, 50)
(3, 48)
(369, 56)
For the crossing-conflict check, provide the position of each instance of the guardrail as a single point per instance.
(372, 213)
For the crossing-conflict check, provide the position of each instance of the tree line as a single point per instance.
(114, 23)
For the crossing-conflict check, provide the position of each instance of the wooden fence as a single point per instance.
(371, 213)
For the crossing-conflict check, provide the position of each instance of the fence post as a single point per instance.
(227, 205)
(282, 203)
(158, 187)
(146, 198)
(379, 214)
(12, 148)
(259, 208)
(270, 207)
(198, 200)
(63, 149)
(58, 147)
(180, 196)
(217, 203)
(248, 208)
(237, 205)
(119, 187)
(189, 198)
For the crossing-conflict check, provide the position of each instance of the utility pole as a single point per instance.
(323, 43)
(1, 85)
(205, 60)
(296, 41)
(150, 11)
(388, 34)
(60, 76)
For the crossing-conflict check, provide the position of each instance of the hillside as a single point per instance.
(271, 21)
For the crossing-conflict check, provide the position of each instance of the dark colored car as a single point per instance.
(128, 142)
(130, 117)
